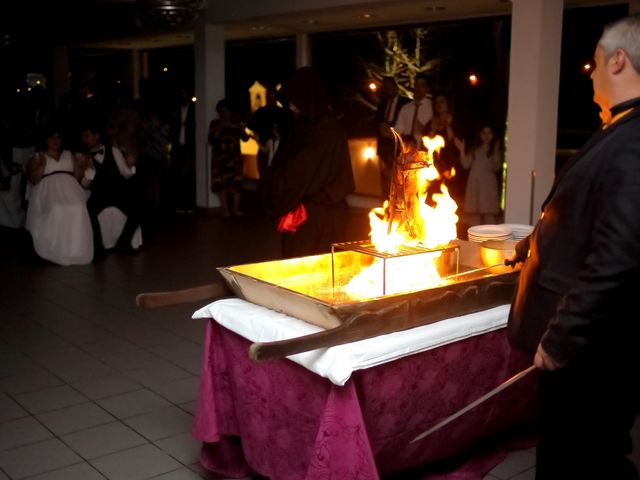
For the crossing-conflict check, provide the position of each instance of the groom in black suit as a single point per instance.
(113, 183)
(575, 310)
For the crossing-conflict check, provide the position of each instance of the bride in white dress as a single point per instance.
(57, 214)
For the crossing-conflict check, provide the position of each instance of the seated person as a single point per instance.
(57, 216)
(111, 177)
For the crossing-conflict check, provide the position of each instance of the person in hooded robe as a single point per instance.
(312, 167)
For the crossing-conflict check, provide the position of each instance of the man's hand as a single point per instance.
(513, 260)
(543, 361)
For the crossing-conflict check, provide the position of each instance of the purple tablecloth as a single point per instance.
(284, 422)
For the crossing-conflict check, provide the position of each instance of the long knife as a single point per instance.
(518, 376)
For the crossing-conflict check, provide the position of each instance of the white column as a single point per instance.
(303, 50)
(210, 88)
(534, 78)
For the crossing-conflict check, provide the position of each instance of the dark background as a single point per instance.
(480, 46)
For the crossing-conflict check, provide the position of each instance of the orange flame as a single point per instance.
(413, 221)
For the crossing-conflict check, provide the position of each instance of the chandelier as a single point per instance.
(171, 13)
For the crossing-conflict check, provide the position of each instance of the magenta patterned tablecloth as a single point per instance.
(284, 422)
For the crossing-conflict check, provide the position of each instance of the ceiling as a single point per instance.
(120, 24)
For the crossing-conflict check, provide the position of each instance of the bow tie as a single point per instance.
(97, 152)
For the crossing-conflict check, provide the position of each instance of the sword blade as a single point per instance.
(518, 376)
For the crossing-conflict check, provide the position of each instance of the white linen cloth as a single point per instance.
(260, 324)
(57, 215)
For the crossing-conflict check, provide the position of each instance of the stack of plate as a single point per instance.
(482, 233)
(519, 231)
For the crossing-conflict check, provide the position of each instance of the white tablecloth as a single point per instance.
(260, 324)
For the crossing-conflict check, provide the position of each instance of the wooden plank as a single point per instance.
(209, 292)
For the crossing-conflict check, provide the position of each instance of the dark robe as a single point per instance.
(312, 167)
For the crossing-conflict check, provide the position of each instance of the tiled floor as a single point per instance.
(92, 387)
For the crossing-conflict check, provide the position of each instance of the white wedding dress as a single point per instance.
(57, 215)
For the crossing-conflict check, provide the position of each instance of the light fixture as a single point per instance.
(373, 87)
(366, 15)
(368, 153)
(171, 13)
(473, 79)
(587, 67)
(193, 99)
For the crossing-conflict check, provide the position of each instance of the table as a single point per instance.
(283, 421)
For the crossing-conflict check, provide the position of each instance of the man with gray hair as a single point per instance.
(573, 307)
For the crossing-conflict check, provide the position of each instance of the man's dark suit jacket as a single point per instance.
(385, 144)
(109, 188)
(578, 288)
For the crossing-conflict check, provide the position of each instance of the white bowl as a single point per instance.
(493, 252)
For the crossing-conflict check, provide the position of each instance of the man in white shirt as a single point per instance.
(414, 116)
(113, 183)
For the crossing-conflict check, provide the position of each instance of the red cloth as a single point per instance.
(282, 421)
(290, 222)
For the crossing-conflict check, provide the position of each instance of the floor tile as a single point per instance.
(141, 336)
(133, 403)
(107, 346)
(182, 447)
(189, 407)
(75, 418)
(16, 363)
(527, 475)
(60, 356)
(79, 471)
(131, 359)
(181, 474)
(206, 474)
(137, 463)
(103, 440)
(162, 423)
(22, 432)
(107, 386)
(516, 462)
(82, 336)
(161, 372)
(37, 458)
(10, 410)
(29, 382)
(75, 372)
(50, 399)
(181, 391)
(40, 340)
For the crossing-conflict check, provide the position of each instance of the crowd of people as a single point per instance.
(90, 171)
(146, 159)
(471, 173)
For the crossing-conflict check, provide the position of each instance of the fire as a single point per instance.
(414, 215)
